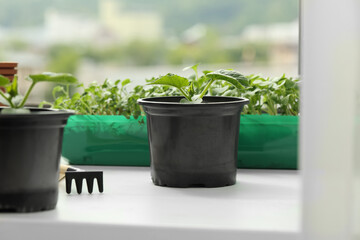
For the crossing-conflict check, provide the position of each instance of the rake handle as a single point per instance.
(64, 168)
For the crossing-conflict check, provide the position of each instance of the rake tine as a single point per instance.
(78, 182)
(68, 180)
(99, 179)
(90, 184)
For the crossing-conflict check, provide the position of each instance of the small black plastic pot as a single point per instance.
(30, 151)
(193, 145)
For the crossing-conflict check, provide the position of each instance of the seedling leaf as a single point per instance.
(4, 81)
(193, 67)
(123, 83)
(12, 89)
(172, 80)
(233, 77)
(289, 84)
(60, 78)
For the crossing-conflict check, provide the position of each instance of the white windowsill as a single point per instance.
(264, 204)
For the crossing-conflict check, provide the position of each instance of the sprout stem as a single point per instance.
(185, 95)
(206, 88)
(26, 95)
(7, 99)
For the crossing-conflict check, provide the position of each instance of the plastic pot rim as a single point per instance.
(37, 112)
(175, 100)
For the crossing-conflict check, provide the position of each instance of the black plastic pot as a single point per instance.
(193, 145)
(30, 151)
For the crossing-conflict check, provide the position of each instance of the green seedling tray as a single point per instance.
(265, 142)
(269, 142)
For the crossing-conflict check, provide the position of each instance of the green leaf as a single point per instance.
(3, 100)
(219, 91)
(289, 84)
(42, 103)
(192, 77)
(262, 83)
(285, 100)
(4, 81)
(233, 77)
(125, 82)
(172, 80)
(191, 89)
(193, 67)
(76, 96)
(60, 78)
(12, 89)
(58, 89)
(229, 93)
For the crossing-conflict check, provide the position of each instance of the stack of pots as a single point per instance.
(8, 69)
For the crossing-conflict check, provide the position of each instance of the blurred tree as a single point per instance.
(137, 52)
(112, 53)
(255, 52)
(143, 53)
(209, 49)
(17, 44)
(63, 58)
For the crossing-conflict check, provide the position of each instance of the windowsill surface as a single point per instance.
(264, 204)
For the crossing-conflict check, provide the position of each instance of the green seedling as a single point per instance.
(16, 101)
(107, 98)
(195, 87)
(274, 96)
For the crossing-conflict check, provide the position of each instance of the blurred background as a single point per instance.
(140, 39)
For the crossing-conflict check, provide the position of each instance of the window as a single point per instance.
(138, 39)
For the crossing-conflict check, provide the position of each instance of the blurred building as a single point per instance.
(71, 28)
(130, 25)
(283, 39)
(194, 34)
(115, 25)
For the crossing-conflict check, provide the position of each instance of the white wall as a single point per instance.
(330, 115)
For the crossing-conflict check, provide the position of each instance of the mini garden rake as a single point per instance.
(79, 175)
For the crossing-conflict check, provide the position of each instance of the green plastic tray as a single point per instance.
(269, 142)
(265, 141)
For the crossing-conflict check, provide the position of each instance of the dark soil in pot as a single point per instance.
(30, 149)
(193, 145)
